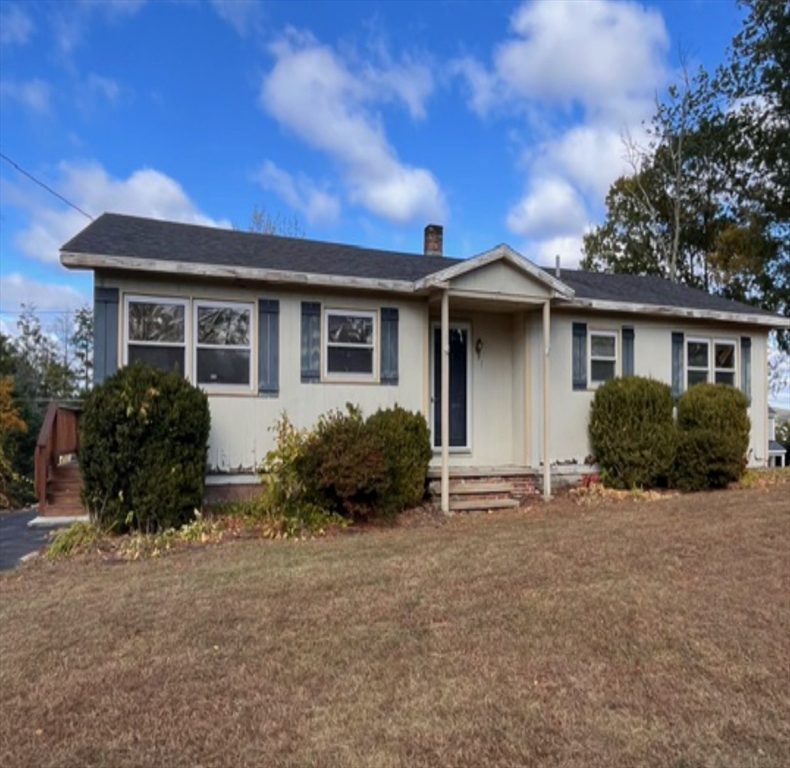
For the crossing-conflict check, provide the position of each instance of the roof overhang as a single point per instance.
(502, 252)
(226, 272)
(657, 310)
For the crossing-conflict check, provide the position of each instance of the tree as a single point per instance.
(82, 346)
(708, 200)
(11, 424)
(262, 222)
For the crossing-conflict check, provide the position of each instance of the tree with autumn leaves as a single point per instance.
(707, 202)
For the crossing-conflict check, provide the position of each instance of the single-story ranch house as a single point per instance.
(501, 356)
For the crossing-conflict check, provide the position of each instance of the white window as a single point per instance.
(223, 344)
(155, 332)
(697, 362)
(349, 344)
(724, 362)
(710, 361)
(603, 356)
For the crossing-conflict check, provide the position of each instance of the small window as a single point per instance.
(349, 338)
(223, 346)
(697, 362)
(724, 362)
(155, 332)
(603, 356)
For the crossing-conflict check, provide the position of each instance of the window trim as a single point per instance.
(362, 378)
(250, 347)
(734, 370)
(711, 342)
(138, 298)
(609, 333)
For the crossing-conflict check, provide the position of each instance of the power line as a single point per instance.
(42, 184)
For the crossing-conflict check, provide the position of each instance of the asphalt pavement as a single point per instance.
(17, 540)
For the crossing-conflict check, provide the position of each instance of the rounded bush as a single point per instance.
(714, 429)
(406, 447)
(632, 432)
(143, 450)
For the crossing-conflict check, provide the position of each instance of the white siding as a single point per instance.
(652, 357)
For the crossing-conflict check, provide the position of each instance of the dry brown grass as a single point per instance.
(625, 634)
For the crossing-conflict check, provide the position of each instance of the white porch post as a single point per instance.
(445, 363)
(546, 401)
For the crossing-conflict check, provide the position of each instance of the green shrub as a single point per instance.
(345, 462)
(289, 505)
(78, 537)
(713, 439)
(346, 465)
(632, 432)
(143, 450)
(405, 442)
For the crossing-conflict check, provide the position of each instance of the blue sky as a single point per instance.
(366, 120)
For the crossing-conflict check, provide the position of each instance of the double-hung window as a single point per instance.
(724, 362)
(603, 356)
(223, 343)
(349, 344)
(155, 332)
(710, 361)
(697, 362)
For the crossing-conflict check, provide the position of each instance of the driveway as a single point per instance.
(16, 539)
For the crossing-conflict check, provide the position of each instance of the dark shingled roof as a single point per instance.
(114, 234)
(641, 289)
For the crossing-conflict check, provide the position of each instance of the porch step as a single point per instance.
(481, 505)
(63, 491)
(473, 487)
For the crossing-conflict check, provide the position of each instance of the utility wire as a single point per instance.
(42, 184)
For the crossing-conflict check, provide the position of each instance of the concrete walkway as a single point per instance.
(17, 540)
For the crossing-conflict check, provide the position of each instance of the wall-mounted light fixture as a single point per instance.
(479, 347)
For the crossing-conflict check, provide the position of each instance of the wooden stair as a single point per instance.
(63, 491)
(478, 495)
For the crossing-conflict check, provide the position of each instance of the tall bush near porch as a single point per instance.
(632, 432)
(143, 450)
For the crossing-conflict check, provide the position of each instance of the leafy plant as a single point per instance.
(632, 432)
(143, 450)
(713, 437)
(78, 537)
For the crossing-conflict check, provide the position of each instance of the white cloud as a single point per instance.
(302, 194)
(16, 290)
(243, 15)
(72, 20)
(578, 75)
(35, 95)
(313, 92)
(146, 192)
(16, 27)
(104, 86)
(550, 208)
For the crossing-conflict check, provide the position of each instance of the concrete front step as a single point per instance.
(481, 505)
(472, 487)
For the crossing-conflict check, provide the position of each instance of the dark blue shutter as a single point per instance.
(628, 350)
(105, 333)
(268, 347)
(389, 346)
(311, 341)
(746, 367)
(677, 364)
(580, 355)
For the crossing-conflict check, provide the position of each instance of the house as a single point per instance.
(502, 356)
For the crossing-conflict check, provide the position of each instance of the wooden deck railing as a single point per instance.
(59, 436)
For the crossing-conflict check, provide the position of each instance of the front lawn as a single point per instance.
(632, 633)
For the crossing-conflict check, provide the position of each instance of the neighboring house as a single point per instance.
(501, 356)
(776, 451)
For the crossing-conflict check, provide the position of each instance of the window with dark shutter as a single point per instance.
(311, 341)
(677, 364)
(628, 351)
(580, 356)
(105, 333)
(746, 367)
(268, 347)
(389, 346)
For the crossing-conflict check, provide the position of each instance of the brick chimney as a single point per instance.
(434, 240)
